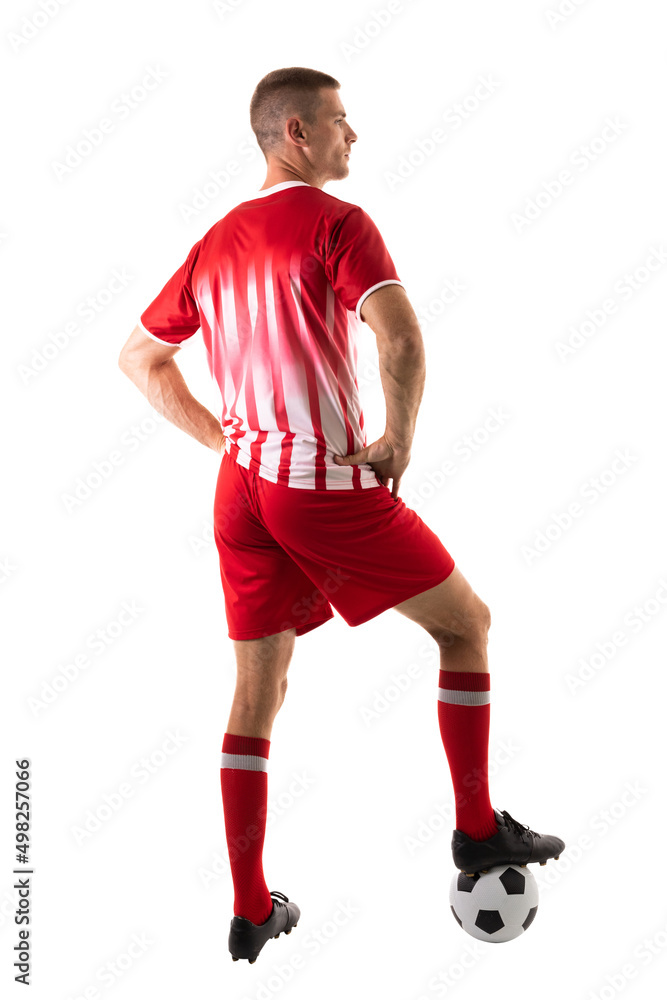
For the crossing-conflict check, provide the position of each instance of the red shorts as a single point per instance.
(287, 555)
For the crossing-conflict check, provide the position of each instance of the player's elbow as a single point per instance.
(124, 362)
(129, 363)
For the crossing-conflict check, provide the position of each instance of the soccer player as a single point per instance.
(304, 515)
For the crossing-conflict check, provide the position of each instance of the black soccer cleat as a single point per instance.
(513, 844)
(246, 939)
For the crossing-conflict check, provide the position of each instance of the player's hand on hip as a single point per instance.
(387, 460)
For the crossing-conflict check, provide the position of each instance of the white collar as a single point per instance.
(280, 187)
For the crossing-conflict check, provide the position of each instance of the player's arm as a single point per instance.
(392, 319)
(152, 368)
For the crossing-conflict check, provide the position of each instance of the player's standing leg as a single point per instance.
(261, 683)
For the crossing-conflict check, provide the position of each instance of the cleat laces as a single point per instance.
(279, 895)
(516, 827)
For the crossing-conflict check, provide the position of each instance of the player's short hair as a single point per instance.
(282, 94)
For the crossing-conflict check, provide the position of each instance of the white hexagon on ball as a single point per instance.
(497, 906)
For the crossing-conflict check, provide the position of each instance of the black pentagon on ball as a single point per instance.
(457, 916)
(514, 882)
(466, 884)
(489, 921)
(529, 919)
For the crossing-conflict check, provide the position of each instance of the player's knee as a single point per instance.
(465, 624)
(484, 615)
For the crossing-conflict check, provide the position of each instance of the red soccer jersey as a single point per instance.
(276, 286)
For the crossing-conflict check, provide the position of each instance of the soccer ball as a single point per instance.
(497, 906)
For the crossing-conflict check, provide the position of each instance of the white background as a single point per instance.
(586, 759)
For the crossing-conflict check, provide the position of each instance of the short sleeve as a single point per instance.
(357, 260)
(173, 316)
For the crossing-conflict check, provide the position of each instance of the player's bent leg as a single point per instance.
(456, 618)
(484, 837)
(459, 620)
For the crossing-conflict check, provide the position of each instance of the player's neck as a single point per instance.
(280, 176)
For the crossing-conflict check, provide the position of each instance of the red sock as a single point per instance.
(243, 780)
(464, 715)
